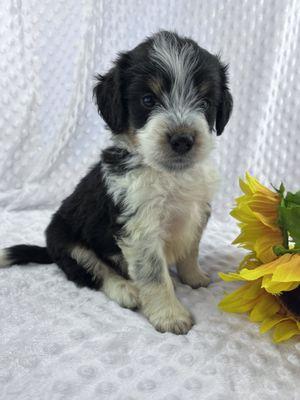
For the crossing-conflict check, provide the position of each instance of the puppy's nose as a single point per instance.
(181, 143)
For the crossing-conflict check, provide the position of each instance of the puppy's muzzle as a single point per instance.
(181, 143)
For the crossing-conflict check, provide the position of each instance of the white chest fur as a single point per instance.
(163, 209)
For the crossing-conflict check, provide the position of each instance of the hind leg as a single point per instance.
(84, 268)
(113, 285)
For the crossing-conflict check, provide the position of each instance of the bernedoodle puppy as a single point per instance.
(145, 204)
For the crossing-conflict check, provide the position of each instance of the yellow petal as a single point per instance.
(291, 286)
(248, 236)
(250, 181)
(249, 261)
(243, 214)
(288, 270)
(245, 187)
(259, 239)
(252, 290)
(242, 299)
(243, 199)
(266, 219)
(277, 287)
(264, 246)
(268, 203)
(269, 323)
(230, 276)
(264, 269)
(265, 307)
(239, 307)
(252, 230)
(285, 330)
(256, 273)
(265, 209)
(256, 186)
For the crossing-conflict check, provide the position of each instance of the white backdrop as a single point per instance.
(60, 342)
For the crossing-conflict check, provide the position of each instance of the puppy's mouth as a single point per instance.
(177, 163)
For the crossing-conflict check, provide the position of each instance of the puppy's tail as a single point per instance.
(24, 254)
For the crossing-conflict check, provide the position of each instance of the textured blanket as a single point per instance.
(61, 342)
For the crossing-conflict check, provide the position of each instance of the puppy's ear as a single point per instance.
(225, 105)
(109, 96)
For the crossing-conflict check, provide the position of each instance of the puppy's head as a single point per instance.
(165, 97)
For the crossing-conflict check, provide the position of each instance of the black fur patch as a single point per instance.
(78, 274)
(88, 217)
(118, 160)
(24, 254)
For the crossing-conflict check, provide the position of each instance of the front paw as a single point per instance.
(172, 318)
(195, 279)
(122, 291)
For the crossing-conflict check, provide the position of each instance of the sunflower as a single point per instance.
(257, 213)
(270, 229)
(271, 311)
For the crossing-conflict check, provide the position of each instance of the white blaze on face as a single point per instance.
(179, 64)
(180, 106)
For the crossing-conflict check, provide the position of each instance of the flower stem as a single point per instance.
(285, 238)
(280, 250)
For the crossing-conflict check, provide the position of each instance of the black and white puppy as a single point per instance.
(144, 206)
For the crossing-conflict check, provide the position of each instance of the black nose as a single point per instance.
(181, 143)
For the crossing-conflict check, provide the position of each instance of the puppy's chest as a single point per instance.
(180, 227)
(179, 214)
(159, 207)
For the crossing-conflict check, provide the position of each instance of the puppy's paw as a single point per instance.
(195, 278)
(128, 295)
(172, 319)
(124, 293)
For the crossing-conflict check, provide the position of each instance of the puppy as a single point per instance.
(144, 205)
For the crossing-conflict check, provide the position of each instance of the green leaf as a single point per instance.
(293, 198)
(282, 223)
(289, 218)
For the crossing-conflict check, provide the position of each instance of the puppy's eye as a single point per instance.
(148, 101)
(204, 104)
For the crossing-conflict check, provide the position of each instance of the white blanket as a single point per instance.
(61, 342)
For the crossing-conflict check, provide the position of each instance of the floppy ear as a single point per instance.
(108, 94)
(225, 105)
